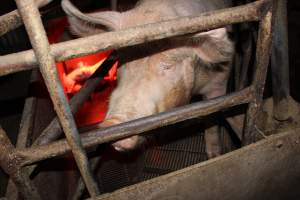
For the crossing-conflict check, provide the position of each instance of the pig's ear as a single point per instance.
(213, 46)
(82, 24)
(81, 28)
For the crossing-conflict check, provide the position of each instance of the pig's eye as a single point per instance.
(166, 66)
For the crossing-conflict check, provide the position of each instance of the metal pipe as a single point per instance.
(247, 49)
(53, 131)
(247, 173)
(280, 64)
(263, 51)
(138, 126)
(114, 5)
(11, 166)
(37, 35)
(26, 60)
(12, 20)
(77, 194)
(23, 139)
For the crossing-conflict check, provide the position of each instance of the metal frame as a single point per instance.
(15, 161)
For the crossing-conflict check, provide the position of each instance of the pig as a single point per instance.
(158, 76)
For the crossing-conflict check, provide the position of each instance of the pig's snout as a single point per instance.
(127, 144)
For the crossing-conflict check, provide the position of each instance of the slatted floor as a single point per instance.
(179, 148)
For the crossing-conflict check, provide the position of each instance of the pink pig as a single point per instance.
(161, 75)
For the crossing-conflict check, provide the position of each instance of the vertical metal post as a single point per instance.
(280, 63)
(33, 24)
(11, 167)
(114, 5)
(262, 57)
(25, 133)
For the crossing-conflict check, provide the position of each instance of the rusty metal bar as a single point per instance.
(114, 4)
(77, 194)
(23, 139)
(138, 126)
(251, 12)
(280, 63)
(37, 35)
(53, 131)
(245, 64)
(11, 166)
(263, 51)
(26, 60)
(12, 20)
(268, 169)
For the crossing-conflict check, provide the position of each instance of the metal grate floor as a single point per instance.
(181, 147)
(173, 156)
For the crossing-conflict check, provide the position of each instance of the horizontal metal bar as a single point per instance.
(53, 131)
(26, 60)
(24, 135)
(38, 38)
(268, 169)
(12, 20)
(139, 126)
(11, 166)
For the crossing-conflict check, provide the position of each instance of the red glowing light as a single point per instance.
(74, 72)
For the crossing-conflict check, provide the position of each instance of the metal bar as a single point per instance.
(12, 20)
(53, 131)
(247, 49)
(246, 173)
(77, 194)
(26, 123)
(26, 60)
(37, 35)
(280, 64)
(11, 166)
(114, 4)
(263, 51)
(138, 126)
(251, 12)
(23, 139)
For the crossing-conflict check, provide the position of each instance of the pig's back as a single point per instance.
(149, 11)
(185, 7)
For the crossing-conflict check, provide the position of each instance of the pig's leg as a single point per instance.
(212, 141)
(216, 88)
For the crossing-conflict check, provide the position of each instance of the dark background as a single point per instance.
(14, 88)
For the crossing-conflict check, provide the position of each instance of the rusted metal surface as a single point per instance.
(37, 35)
(269, 169)
(113, 40)
(23, 139)
(263, 51)
(80, 184)
(14, 160)
(245, 64)
(53, 130)
(10, 165)
(12, 20)
(114, 4)
(135, 127)
(280, 63)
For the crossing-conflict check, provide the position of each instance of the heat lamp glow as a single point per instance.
(74, 72)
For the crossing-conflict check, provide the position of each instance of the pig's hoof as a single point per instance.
(128, 144)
